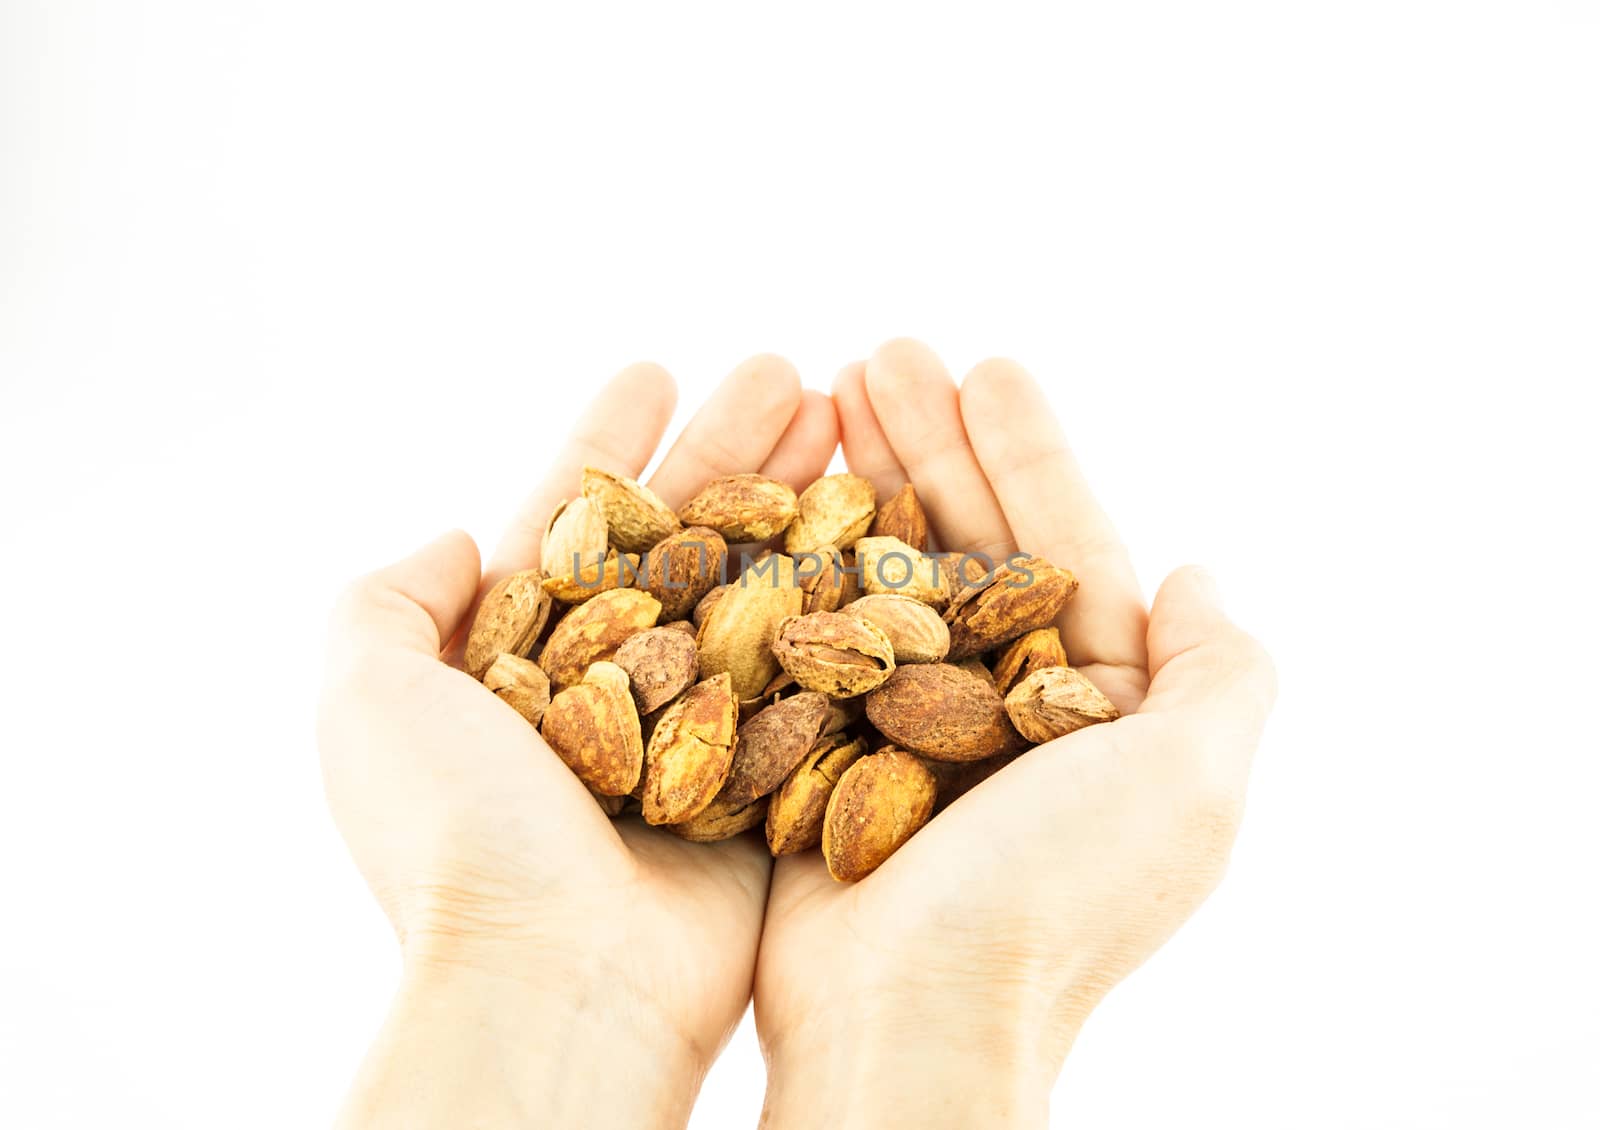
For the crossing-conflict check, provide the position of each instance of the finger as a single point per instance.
(413, 605)
(733, 432)
(866, 449)
(618, 432)
(1207, 676)
(806, 447)
(919, 409)
(1052, 513)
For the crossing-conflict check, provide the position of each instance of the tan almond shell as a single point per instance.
(690, 751)
(1017, 598)
(707, 603)
(1026, 654)
(889, 565)
(916, 631)
(834, 654)
(635, 515)
(509, 619)
(742, 508)
(521, 684)
(683, 568)
(619, 570)
(736, 636)
(771, 743)
(943, 712)
(661, 664)
(794, 817)
(594, 728)
(902, 517)
(835, 510)
(1054, 701)
(824, 579)
(593, 631)
(719, 821)
(575, 542)
(876, 806)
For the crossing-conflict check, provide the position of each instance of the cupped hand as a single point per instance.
(947, 987)
(617, 956)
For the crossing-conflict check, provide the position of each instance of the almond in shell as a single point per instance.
(878, 803)
(835, 510)
(742, 508)
(520, 684)
(683, 568)
(916, 631)
(690, 751)
(834, 654)
(661, 664)
(635, 515)
(1054, 701)
(594, 728)
(593, 631)
(509, 619)
(794, 817)
(736, 635)
(1016, 597)
(943, 712)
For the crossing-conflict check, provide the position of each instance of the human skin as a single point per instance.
(559, 969)
(947, 987)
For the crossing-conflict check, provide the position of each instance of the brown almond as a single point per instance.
(690, 751)
(889, 565)
(661, 664)
(834, 654)
(575, 542)
(737, 634)
(1027, 654)
(835, 510)
(771, 744)
(683, 568)
(593, 631)
(794, 818)
(1054, 701)
(876, 806)
(1018, 596)
(943, 712)
(635, 515)
(915, 630)
(509, 620)
(902, 517)
(720, 820)
(520, 684)
(594, 728)
(742, 508)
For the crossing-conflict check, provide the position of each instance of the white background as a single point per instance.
(287, 288)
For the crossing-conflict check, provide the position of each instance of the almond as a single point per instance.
(1054, 701)
(661, 664)
(834, 654)
(742, 508)
(635, 515)
(902, 517)
(878, 803)
(771, 744)
(683, 568)
(593, 631)
(617, 571)
(1027, 654)
(889, 565)
(509, 619)
(916, 632)
(835, 510)
(594, 728)
(720, 820)
(943, 712)
(736, 635)
(520, 684)
(1016, 597)
(690, 751)
(794, 817)
(575, 542)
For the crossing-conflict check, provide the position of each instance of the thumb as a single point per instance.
(413, 605)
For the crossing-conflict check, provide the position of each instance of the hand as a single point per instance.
(559, 969)
(946, 988)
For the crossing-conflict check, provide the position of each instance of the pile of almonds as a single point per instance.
(838, 684)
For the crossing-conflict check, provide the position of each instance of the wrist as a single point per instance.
(925, 1060)
(466, 1046)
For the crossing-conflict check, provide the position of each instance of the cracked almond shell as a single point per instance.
(943, 712)
(1054, 701)
(1027, 654)
(742, 508)
(834, 654)
(876, 806)
(519, 683)
(509, 619)
(690, 751)
(593, 631)
(636, 518)
(594, 728)
(795, 814)
(1016, 597)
